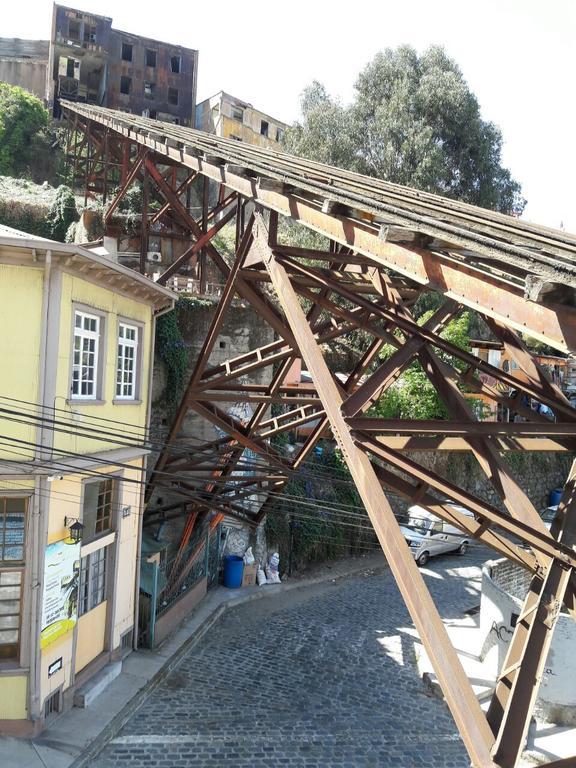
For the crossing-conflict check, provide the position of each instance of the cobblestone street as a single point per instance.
(323, 676)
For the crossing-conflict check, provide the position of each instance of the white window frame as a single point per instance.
(93, 583)
(84, 334)
(122, 346)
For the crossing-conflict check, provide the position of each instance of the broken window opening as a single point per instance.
(74, 30)
(264, 128)
(150, 58)
(175, 64)
(126, 52)
(125, 85)
(173, 96)
(149, 90)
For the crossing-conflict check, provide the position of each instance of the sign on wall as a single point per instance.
(61, 582)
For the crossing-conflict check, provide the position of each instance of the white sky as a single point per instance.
(518, 57)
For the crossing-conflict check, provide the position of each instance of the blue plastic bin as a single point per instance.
(233, 571)
(555, 497)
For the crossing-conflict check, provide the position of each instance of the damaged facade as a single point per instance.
(92, 62)
(88, 61)
(231, 118)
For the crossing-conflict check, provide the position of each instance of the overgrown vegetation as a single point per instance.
(62, 213)
(29, 146)
(171, 348)
(321, 516)
(38, 209)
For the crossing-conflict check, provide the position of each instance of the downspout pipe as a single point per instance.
(39, 517)
(155, 317)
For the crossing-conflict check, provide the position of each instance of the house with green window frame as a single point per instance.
(76, 344)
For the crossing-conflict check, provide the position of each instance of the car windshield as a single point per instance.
(418, 522)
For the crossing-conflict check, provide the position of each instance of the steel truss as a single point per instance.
(377, 261)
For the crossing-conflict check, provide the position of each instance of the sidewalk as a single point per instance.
(75, 737)
(546, 741)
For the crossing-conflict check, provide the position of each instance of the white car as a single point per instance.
(428, 535)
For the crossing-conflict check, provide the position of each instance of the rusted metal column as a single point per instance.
(202, 257)
(457, 690)
(521, 674)
(144, 222)
(105, 166)
(87, 161)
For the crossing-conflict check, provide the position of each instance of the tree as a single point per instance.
(413, 121)
(414, 396)
(22, 119)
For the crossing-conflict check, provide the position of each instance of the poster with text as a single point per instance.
(61, 582)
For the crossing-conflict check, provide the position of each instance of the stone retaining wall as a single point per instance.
(504, 586)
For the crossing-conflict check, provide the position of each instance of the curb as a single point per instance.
(85, 758)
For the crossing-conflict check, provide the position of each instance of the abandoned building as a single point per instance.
(231, 118)
(24, 63)
(86, 60)
(91, 62)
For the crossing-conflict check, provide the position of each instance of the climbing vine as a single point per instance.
(171, 347)
(305, 534)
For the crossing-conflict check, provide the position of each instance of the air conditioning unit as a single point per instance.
(154, 256)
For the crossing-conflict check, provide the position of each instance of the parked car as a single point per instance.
(549, 514)
(428, 536)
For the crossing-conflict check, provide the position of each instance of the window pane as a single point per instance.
(89, 509)
(8, 607)
(15, 505)
(13, 553)
(9, 613)
(9, 622)
(10, 593)
(10, 577)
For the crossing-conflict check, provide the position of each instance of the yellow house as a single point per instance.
(231, 118)
(76, 346)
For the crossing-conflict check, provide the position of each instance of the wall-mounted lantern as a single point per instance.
(75, 528)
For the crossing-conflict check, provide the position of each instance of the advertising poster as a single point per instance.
(60, 598)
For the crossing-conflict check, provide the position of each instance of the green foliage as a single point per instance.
(413, 121)
(413, 396)
(225, 242)
(317, 532)
(62, 214)
(171, 349)
(38, 209)
(22, 118)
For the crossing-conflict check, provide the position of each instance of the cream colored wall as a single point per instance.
(13, 694)
(65, 500)
(247, 133)
(127, 417)
(62, 647)
(90, 639)
(17, 484)
(20, 338)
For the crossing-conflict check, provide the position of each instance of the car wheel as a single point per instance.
(423, 559)
(463, 548)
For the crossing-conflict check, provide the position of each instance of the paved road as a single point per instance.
(322, 677)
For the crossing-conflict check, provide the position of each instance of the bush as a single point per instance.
(62, 214)
(22, 119)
